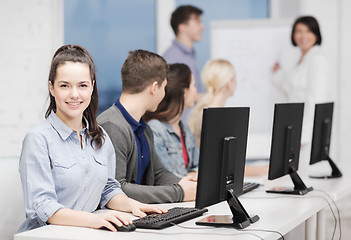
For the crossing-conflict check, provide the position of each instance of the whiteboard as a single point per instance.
(253, 47)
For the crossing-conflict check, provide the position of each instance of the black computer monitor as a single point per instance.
(285, 147)
(222, 162)
(322, 127)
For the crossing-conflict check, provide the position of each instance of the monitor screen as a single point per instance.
(323, 118)
(322, 129)
(285, 147)
(286, 139)
(221, 128)
(222, 164)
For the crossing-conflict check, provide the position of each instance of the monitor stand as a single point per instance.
(336, 173)
(299, 186)
(239, 220)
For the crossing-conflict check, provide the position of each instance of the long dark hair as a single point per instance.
(178, 79)
(76, 53)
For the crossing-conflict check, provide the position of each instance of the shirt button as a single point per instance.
(85, 188)
(142, 156)
(86, 172)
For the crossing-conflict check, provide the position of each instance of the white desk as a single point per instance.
(277, 212)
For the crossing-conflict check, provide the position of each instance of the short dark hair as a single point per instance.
(76, 53)
(178, 79)
(312, 24)
(182, 15)
(142, 68)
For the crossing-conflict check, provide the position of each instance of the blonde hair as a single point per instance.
(215, 75)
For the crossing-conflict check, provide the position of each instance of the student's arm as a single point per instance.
(113, 196)
(37, 181)
(123, 203)
(124, 146)
(195, 153)
(69, 217)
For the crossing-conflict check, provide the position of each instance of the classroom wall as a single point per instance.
(109, 29)
(329, 17)
(31, 32)
(344, 86)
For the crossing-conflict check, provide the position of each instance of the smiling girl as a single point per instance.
(67, 164)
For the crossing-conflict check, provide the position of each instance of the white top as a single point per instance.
(307, 81)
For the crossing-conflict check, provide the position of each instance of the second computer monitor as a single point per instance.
(221, 165)
(221, 128)
(285, 147)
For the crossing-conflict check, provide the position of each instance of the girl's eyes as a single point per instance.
(66, 85)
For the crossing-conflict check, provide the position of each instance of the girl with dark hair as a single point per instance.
(175, 144)
(307, 81)
(67, 164)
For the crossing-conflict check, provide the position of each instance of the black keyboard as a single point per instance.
(174, 215)
(248, 186)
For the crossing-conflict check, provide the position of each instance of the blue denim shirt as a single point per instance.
(168, 147)
(56, 172)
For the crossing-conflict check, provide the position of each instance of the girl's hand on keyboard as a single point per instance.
(140, 209)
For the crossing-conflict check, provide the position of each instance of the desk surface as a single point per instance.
(277, 212)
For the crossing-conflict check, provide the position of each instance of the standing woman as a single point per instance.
(308, 80)
(174, 142)
(67, 164)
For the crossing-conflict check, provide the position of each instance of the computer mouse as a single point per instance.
(124, 228)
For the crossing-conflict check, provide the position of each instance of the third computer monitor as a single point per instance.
(322, 128)
(285, 147)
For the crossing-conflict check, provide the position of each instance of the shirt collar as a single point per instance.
(183, 48)
(63, 130)
(132, 122)
(171, 130)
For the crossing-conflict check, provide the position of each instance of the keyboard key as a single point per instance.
(174, 215)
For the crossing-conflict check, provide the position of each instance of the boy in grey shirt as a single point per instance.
(138, 169)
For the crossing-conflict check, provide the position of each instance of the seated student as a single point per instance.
(218, 76)
(67, 163)
(140, 172)
(175, 144)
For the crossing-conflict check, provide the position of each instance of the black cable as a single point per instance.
(302, 197)
(336, 206)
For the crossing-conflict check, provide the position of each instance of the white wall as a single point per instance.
(31, 31)
(164, 32)
(344, 89)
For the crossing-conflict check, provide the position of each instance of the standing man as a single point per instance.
(187, 26)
